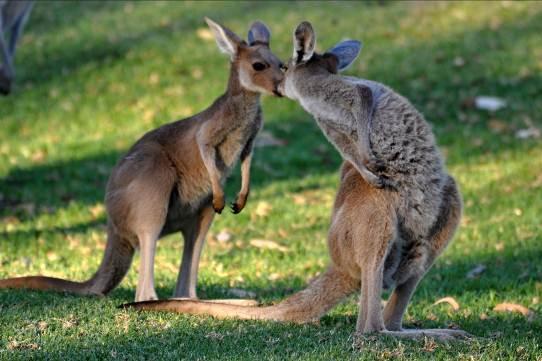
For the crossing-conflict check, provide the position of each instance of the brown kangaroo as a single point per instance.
(380, 237)
(171, 179)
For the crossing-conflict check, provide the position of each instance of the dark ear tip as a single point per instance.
(259, 33)
(258, 23)
(304, 26)
(356, 43)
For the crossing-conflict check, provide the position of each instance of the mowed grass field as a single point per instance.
(93, 77)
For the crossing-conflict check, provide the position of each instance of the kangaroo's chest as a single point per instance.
(235, 140)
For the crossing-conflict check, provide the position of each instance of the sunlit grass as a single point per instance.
(94, 76)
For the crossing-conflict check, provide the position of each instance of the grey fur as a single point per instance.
(258, 33)
(386, 139)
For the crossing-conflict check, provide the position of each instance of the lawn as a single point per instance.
(94, 77)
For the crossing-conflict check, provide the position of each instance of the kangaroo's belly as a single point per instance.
(180, 216)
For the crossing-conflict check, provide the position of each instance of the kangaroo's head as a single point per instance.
(306, 63)
(258, 69)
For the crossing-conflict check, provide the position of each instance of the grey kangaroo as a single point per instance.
(13, 16)
(380, 238)
(171, 179)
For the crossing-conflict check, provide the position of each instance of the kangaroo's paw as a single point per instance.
(236, 208)
(377, 181)
(240, 202)
(218, 204)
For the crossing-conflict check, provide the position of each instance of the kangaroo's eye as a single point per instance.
(258, 66)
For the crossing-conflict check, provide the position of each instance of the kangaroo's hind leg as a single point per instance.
(194, 238)
(375, 233)
(442, 233)
(138, 203)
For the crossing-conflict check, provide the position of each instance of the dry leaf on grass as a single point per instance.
(497, 126)
(215, 336)
(223, 236)
(476, 271)
(266, 244)
(205, 34)
(459, 62)
(514, 307)
(15, 345)
(97, 210)
(489, 103)
(530, 132)
(299, 199)
(449, 300)
(262, 209)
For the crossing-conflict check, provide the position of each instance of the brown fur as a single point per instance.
(171, 179)
(379, 237)
(364, 229)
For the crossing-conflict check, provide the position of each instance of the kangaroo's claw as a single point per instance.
(235, 209)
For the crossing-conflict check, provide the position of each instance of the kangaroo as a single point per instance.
(13, 17)
(380, 238)
(172, 178)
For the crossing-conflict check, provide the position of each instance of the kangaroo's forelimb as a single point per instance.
(246, 161)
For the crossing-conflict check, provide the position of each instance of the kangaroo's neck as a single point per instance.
(236, 104)
(322, 97)
(236, 95)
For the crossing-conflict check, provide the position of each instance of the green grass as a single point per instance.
(93, 77)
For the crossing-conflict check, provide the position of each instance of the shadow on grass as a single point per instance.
(509, 273)
(83, 180)
(103, 48)
(55, 185)
(187, 336)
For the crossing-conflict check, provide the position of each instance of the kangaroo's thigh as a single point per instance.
(413, 271)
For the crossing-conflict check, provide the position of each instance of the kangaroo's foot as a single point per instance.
(146, 294)
(435, 333)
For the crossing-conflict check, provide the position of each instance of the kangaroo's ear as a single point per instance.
(304, 42)
(228, 42)
(258, 34)
(346, 52)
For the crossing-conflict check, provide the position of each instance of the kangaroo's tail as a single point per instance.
(308, 305)
(115, 263)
